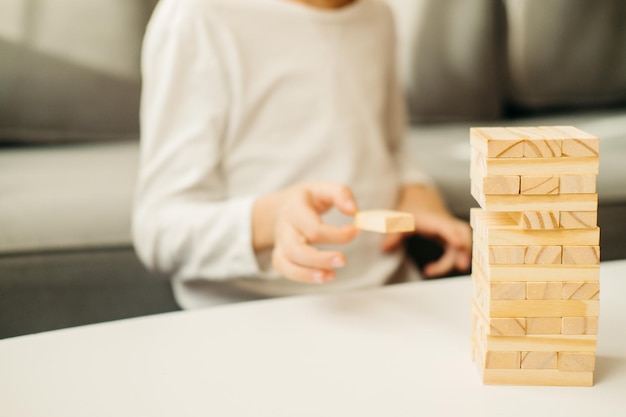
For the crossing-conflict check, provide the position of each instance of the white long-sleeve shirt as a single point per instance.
(246, 97)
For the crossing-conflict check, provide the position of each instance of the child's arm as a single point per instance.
(289, 222)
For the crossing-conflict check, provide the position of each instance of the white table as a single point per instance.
(395, 351)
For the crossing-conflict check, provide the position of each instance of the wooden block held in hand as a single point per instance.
(539, 185)
(385, 221)
(581, 255)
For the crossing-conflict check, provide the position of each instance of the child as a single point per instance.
(266, 124)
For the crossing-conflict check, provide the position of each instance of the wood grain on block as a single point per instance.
(577, 184)
(543, 325)
(576, 361)
(577, 143)
(536, 166)
(536, 220)
(508, 326)
(539, 377)
(581, 290)
(543, 343)
(497, 142)
(561, 202)
(544, 290)
(539, 273)
(542, 148)
(502, 360)
(581, 255)
(385, 221)
(579, 325)
(538, 360)
(508, 290)
(543, 308)
(506, 255)
(499, 185)
(499, 229)
(542, 255)
(539, 185)
(578, 219)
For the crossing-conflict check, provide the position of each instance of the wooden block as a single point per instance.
(540, 377)
(497, 142)
(542, 148)
(502, 360)
(538, 220)
(561, 202)
(543, 308)
(508, 326)
(385, 221)
(538, 360)
(542, 255)
(539, 185)
(543, 343)
(581, 255)
(576, 361)
(535, 166)
(578, 237)
(577, 184)
(577, 143)
(508, 291)
(578, 219)
(537, 273)
(506, 255)
(499, 185)
(579, 325)
(581, 290)
(544, 291)
(496, 229)
(543, 325)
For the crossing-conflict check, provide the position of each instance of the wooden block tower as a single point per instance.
(536, 255)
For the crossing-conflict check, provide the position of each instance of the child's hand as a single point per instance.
(298, 224)
(433, 220)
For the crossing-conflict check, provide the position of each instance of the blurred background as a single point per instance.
(69, 101)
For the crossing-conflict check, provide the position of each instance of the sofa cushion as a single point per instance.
(66, 196)
(566, 53)
(70, 70)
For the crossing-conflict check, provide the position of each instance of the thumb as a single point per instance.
(391, 241)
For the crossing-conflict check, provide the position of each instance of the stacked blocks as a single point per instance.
(536, 255)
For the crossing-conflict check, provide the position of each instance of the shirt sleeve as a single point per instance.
(184, 222)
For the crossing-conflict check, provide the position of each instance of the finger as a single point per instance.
(326, 195)
(391, 242)
(310, 225)
(299, 273)
(298, 252)
(443, 265)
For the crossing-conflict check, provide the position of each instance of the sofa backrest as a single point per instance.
(70, 69)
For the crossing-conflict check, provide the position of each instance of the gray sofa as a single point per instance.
(69, 90)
